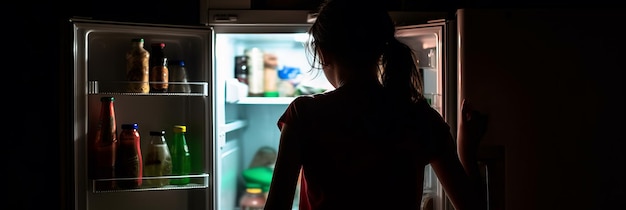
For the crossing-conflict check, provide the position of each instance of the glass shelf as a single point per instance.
(120, 88)
(265, 100)
(431, 97)
(234, 125)
(197, 181)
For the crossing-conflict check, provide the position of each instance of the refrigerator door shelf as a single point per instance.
(196, 181)
(120, 88)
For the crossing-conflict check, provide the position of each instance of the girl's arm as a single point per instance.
(286, 171)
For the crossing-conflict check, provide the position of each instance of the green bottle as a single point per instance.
(181, 161)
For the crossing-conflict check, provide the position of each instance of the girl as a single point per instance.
(364, 145)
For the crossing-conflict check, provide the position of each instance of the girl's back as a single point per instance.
(360, 149)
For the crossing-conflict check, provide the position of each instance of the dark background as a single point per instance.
(39, 74)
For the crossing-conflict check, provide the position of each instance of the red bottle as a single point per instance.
(129, 163)
(104, 146)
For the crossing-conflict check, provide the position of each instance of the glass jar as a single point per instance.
(252, 199)
(137, 67)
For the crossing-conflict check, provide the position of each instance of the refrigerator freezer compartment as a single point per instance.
(196, 181)
(121, 88)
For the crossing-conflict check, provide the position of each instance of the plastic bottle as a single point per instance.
(103, 148)
(159, 74)
(158, 161)
(129, 163)
(138, 67)
(181, 160)
(178, 77)
(252, 199)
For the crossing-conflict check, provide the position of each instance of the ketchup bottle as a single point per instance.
(103, 147)
(129, 163)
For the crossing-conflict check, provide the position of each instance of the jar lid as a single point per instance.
(180, 128)
(157, 133)
(161, 45)
(130, 126)
(253, 190)
(177, 62)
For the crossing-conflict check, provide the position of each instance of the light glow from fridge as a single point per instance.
(301, 37)
(290, 48)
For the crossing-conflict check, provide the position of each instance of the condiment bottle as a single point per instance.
(137, 67)
(159, 74)
(181, 160)
(104, 146)
(252, 199)
(178, 77)
(129, 163)
(158, 161)
(241, 68)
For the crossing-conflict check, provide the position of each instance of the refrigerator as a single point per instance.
(549, 80)
(228, 130)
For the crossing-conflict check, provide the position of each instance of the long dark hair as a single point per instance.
(363, 33)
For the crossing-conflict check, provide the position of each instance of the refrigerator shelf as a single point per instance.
(265, 100)
(234, 125)
(279, 101)
(120, 88)
(197, 181)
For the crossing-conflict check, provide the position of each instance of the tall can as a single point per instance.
(137, 67)
(255, 71)
(181, 158)
(103, 147)
(270, 75)
(159, 74)
(158, 161)
(129, 162)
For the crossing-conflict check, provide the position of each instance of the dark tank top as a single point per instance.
(362, 150)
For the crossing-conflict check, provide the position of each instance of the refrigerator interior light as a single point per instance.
(301, 37)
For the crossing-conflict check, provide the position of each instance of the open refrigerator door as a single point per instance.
(429, 36)
(100, 71)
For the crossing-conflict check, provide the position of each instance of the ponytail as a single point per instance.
(400, 74)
